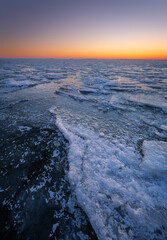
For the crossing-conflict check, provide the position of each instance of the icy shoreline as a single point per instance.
(113, 115)
(121, 201)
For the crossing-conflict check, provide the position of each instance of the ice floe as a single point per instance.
(155, 156)
(121, 200)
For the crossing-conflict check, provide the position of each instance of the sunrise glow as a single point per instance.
(88, 29)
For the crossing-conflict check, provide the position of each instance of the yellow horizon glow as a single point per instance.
(88, 53)
(128, 48)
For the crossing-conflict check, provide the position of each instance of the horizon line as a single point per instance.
(83, 58)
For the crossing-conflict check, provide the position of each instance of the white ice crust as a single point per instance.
(155, 156)
(121, 200)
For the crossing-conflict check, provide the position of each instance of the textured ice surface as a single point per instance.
(121, 201)
(149, 100)
(24, 128)
(113, 112)
(15, 83)
(155, 156)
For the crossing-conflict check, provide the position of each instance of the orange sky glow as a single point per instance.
(107, 29)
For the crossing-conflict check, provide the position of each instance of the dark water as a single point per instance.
(77, 138)
(36, 201)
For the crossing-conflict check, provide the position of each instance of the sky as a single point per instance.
(83, 29)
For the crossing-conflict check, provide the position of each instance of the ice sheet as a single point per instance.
(155, 156)
(121, 200)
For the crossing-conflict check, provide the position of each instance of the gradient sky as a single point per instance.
(83, 28)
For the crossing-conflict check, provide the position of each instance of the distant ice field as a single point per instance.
(113, 113)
